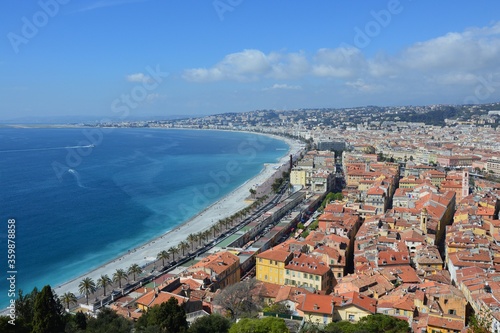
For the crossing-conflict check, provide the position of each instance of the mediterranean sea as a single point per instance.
(81, 197)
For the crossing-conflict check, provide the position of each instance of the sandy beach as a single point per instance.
(225, 207)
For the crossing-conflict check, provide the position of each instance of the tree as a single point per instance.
(80, 320)
(238, 299)
(135, 269)
(118, 276)
(265, 325)
(108, 321)
(341, 327)
(210, 324)
(68, 298)
(215, 229)
(6, 327)
(380, 323)
(278, 308)
(87, 287)
(163, 255)
(103, 282)
(338, 196)
(173, 250)
(480, 323)
(192, 238)
(168, 317)
(48, 312)
(24, 309)
(183, 246)
(253, 192)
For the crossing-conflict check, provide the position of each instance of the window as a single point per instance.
(339, 274)
(305, 275)
(287, 272)
(260, 259)
(452, 312)
(351, 317)
(265, 277)
(317, 278)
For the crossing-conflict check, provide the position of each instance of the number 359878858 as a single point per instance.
(11, 244)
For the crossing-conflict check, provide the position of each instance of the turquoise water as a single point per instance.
(81, 197)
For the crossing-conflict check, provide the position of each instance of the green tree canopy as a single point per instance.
(47, 313)
(277, 308)
(25, 305)
(168, 317)
(108, 321)
(377, 323)
(266, 325)
(210, 324)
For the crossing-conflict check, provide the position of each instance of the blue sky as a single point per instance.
(141, 58)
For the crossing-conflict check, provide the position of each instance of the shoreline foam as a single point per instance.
(222, 208)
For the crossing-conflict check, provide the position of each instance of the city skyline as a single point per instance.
(128, 59)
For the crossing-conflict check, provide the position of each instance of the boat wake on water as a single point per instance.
(42, 149)
(77, 178)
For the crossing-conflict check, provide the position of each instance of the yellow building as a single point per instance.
(410, 182)
(224, 268)
(324, 309)
(308, 271)
(298, 176)
(444, 324)
(270, 265)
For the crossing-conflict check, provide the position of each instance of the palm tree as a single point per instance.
(87, 287)
(163, 255)
(104, 281)
(204, 235)
(174, 250)
(215, 229)
(191, 239)
(118, 275)
(68, 298)
(199, 238)
(135, 269)
(183, 246)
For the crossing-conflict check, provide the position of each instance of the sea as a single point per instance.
(79, 197)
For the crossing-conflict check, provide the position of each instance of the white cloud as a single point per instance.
(283, 86)
(241, 66)
(252, 65)
(456, 59)
(362, 86)
(139, 77)
(153, 97)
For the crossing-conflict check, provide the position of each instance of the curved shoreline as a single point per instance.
(224, 207)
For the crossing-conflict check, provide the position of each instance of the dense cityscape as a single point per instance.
(376, 217)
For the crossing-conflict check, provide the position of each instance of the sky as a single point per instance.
(127, 59)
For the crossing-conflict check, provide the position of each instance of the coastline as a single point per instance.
(226, 206)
